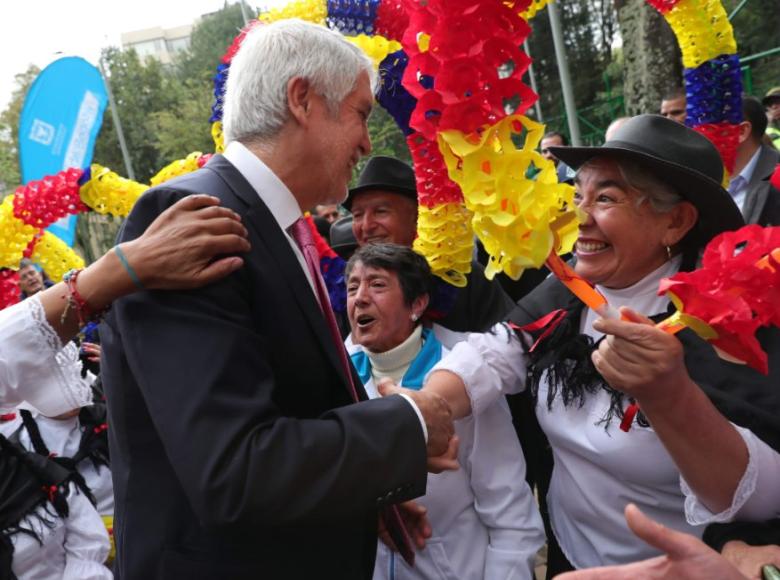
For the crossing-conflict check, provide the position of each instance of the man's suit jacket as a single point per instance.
(235, 450)
(762, 201)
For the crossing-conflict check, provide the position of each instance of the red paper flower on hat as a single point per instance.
(736, 290)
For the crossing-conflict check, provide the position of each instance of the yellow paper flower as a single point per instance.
(445, 238)
(519, 220)
(107, 192)
(218, 137)
(15, 235)
(55, 257)
(376, 47)
(532, 10)
(702, 29)
(310, 10)
(178, 167)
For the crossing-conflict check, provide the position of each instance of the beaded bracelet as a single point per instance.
(77, 302)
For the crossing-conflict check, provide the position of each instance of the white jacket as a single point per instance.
(484, 518)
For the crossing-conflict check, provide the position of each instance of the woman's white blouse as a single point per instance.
(34, 367)
(73, 548)
(598, 471)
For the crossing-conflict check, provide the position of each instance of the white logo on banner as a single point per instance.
(41, 132)
(79, 140)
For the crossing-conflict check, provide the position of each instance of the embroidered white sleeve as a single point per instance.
(490, 364)
(30, 368)
(757, 497)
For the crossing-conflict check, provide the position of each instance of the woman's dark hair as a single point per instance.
(412, 269)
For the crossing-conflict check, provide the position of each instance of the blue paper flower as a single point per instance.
(714, 91)
(352, 17)
(392, 95)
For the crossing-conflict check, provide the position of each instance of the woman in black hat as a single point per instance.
(652, 199)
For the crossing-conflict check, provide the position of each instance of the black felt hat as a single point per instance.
(384, 174)
(680, 156)
(342, 239)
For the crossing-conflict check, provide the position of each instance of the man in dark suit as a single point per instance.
(236, 449)
(757, 199)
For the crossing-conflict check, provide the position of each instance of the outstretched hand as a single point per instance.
(442, 442)
(190, 244)
(639, 359)
(686, 557)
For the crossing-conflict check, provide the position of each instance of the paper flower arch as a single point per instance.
(450, 74)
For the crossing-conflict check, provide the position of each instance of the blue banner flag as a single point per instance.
(59, 124)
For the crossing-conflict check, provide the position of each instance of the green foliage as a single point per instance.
(386, 139)
(9, 132)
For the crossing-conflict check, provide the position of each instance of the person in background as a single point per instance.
(483, 517)
(556, 139)
(771, 102)
(756, 197)
(31, 279)
(613, 127)
(330, 212)
(384, 209)
(673, 105)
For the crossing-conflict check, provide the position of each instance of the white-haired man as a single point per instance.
(236, 449)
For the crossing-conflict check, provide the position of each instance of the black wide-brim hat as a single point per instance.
(342, 238)
(678, 155)
(384, 174)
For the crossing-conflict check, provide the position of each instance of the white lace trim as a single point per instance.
(697, 513)
(73, 387)
(49, 338)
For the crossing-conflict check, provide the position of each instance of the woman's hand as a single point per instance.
(92, 350)
(685, 557)
(639, 359)
(751, 559)
(190, 244)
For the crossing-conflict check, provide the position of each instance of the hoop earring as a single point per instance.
(668, 252)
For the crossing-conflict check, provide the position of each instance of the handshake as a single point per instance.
(436, 412)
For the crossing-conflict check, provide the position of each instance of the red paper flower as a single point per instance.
(434, 187)
(42, 202)
(736, 290)
(9, 288)
(725, 137)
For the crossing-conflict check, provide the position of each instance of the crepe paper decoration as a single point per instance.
(519, 221)
(352, 17)
(42, 202)
(219, 91)
(55, 256)
(15, 235)
(9, 288)
(736, 291)
(314, 11)
(375, 47)
(179, 167)
(725, 137)
(534, 6)
(108, 193)
(395, 99)
(714, 92)
(775, 179)
(663, 6)
(702, 29)
(434, 187)
(391, 19)
(218, 136)
(445, 238)
(581, 288)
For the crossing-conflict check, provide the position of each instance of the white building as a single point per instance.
(160, 43)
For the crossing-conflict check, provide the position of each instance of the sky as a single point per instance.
(40, 31)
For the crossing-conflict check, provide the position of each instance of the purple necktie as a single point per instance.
(302, 234)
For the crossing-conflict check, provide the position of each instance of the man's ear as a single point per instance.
(745, 131)
(299, 97)
(684, 216)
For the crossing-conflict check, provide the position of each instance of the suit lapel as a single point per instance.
(260, 219)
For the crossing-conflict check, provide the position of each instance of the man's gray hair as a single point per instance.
(255, 104)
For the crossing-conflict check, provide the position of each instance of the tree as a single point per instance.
(9, 131)
(652, 59)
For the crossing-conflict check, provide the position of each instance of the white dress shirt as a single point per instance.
(738, 186)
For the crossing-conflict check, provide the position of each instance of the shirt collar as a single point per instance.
(747, 171)
(271, 190)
